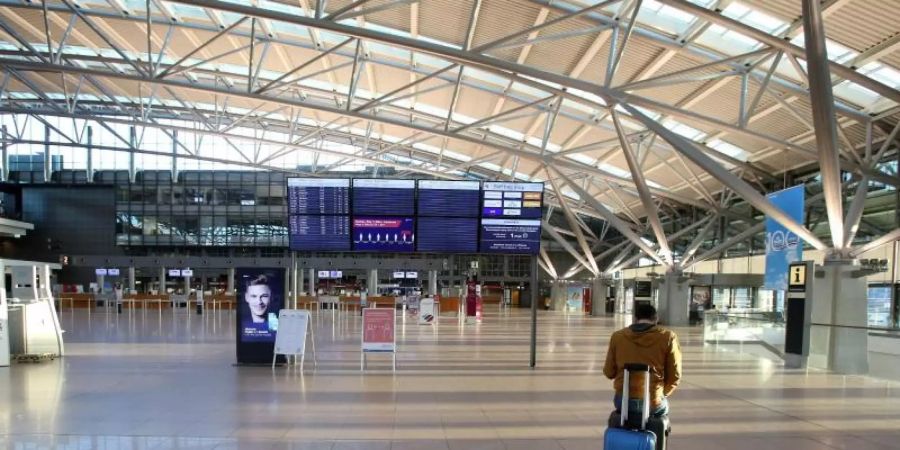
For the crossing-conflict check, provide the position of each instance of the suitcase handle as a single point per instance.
(645, 413)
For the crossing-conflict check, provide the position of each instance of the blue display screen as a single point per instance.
(510, 236)
(318, 196)
(384, 234)
(320, 233)
(377, 197)
(438, 198)
(447, 234)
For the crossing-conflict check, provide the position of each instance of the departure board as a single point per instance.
(447, 234)
(510, 236)
(379, 197)
(512, 200)
(318, 195)
(319, 233)
(440, 198)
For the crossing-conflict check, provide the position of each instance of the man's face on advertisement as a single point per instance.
(257, 298)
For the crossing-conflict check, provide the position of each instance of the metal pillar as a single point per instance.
(133, 140)
(47, 170)
(90, 154)
(432, 282)
(534, 299)
(162, 281)
(822, 101)
(229, 288)
(295, 284)
(300, 284)
(4, 175)
(174, 155)
(372, 282)
(838, 337)
(131, 280)
(312, 282)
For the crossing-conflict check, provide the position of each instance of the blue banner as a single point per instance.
(782, 246)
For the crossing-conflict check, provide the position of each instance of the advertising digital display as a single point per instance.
(513, 200)
(384, 234)
(448, 234)
(260, 296)
(318, 195)
(440, 198)
(380, 197)
(510, 236)
(319, 233)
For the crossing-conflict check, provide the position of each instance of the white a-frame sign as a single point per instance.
(293, 326)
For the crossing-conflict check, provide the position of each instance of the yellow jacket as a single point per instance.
(645, 344)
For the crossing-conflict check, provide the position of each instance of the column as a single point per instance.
(132, 283)
(432, 282)
(90, 154)
(48, 170)
(599, 293)
(299, 274)
(187, 286)
(4, 313)
(312, 282)
(674, 299)
(840, 299)
(131, 168)
(295, 283)
(5, 148)
(372, 282)
(100, 281)
(557, 296)
(162, 281)
(229, 287)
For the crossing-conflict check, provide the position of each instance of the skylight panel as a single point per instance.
(729, 149)
(606, 167)
(684, 130)
(882, 73)
(836, 52)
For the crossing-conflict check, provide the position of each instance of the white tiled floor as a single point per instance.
(166, 380)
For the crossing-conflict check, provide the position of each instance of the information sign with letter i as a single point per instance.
(378, 334)
(798, 314)
(293, 325)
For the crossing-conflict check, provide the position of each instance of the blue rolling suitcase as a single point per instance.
(626, 437)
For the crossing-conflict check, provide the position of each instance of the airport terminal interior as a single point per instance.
(447, 224)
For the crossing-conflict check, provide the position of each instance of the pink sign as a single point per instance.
(378, 329)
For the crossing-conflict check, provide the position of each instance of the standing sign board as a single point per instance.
(798, 314)
(378, 333)
(783, 247)
(293, 326)
(260, 296)
(427, 313)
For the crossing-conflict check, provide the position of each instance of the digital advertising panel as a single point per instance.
(384, 234)
(319, 233)
(260, 296)
(381, 197)
(442, 198)
(510, 236)
(447, 234)
(318, 195)
(512, 200)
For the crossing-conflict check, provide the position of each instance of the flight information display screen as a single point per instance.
(512, 200)
(448, 234)
(318, 195)
(510, 236)
(319, 233)
(377, 197)
(439, 198)
(384, 234)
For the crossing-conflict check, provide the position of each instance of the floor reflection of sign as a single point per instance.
(378, 330)
(426, 311)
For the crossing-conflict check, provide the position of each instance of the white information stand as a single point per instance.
(427, 314)
(293, 326)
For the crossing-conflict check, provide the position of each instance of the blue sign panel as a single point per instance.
(782, 246)
(510, 236)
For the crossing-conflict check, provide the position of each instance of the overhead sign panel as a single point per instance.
(320, 233)
(379, 197)
(318, 195)
(512, 200)
(510, 236)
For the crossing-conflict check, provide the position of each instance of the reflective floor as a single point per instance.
(158, 380)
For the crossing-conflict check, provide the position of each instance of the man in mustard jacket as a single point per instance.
(644, 342)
